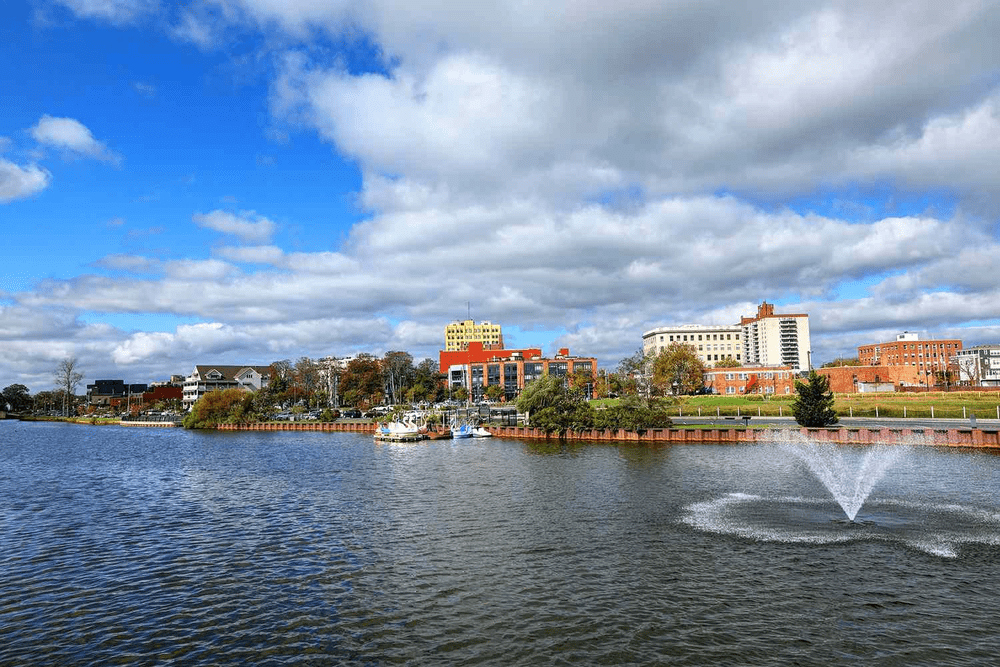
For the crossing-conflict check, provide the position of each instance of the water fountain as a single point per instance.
(848, 479)
(776, 500)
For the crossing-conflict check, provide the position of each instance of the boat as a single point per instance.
(437, 433)
(401, 431)
(481, 432)
(462, 431)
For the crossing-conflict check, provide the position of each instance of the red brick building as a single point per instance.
(854, 379)
(928, 357)
(476, 368)
(744, 380)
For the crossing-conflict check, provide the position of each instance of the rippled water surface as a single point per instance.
(162, 546)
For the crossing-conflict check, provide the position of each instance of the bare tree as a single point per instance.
(67, 378)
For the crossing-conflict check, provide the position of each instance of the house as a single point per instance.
(207, 378)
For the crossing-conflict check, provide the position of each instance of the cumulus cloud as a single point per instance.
(72, 136)
(17, 182)
(561, 166)
(247, 225)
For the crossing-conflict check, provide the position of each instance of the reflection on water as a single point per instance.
(166, 546)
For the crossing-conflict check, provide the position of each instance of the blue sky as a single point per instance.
(241, 181)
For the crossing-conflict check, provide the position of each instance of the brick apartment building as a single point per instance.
(745, 380)
(928, 357)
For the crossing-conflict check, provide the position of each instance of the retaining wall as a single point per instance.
(951, 437)
(354, 427)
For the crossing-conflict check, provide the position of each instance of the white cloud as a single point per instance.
(247, 226)
(73, 136)
(17, 182)
(113, 11)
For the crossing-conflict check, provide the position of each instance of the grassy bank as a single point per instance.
(941, 405)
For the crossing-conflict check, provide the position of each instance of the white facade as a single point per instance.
(214, 378)
(712, 342)
(978, 366)
(775, 339)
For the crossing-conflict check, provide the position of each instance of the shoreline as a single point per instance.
(944, 437)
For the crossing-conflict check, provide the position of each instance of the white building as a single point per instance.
(215, 378)
(712, 342)
(771, 339)
(978, 366)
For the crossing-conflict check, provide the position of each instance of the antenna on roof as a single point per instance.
(469, 304)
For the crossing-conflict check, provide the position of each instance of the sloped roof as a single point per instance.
(229, 372)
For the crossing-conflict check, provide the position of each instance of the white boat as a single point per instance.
(405, 429)
(463, 431)
(481, 432)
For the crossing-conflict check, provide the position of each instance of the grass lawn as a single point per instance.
(960, 405)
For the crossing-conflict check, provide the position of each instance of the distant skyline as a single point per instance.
(242, 181)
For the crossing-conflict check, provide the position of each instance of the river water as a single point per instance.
(163, 546)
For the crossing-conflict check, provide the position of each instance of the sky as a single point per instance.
(243, 181)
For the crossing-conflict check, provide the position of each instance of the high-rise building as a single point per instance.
(772, 339)
(458, 335)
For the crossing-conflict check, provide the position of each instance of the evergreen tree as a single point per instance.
(813, 407)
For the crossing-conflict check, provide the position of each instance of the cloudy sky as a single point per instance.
(240, 181)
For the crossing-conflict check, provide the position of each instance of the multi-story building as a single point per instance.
(930, 357)
(771, 339)
(477, 368)
(105, 392)
(767, 380)
(713, 343)
(978, 366)
(458, 335)
(215, 378)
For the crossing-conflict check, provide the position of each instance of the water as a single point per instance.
(169, 547)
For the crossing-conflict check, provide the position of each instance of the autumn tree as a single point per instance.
(678, 370)
(728, 362)
(361, 382)
(813, 405)
(227, 406)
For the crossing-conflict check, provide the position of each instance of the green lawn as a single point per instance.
(985, 405)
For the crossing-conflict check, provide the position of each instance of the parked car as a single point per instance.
(351, 413)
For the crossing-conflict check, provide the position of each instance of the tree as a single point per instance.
(728, 362)
(306, 375)
(67, 378)
(632, 373)
(16, 397)
(842, 361)
(220, 407)
(813, 406)
(493, 392)
(554, 407)
(361, 381)
(634, 413)
(678, 370)
(397, 370)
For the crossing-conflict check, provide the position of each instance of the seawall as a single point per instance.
(354, 427)
(950, 437)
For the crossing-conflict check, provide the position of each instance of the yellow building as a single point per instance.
(458, 335)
